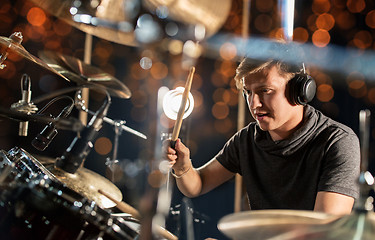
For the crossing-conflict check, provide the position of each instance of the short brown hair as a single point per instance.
(250, 66)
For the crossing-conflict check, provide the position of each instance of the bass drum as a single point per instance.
(35, 205)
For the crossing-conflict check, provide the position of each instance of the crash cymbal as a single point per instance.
(109, 20)
(84, 74)
(85, 182)
(12, 45)
(294, 224)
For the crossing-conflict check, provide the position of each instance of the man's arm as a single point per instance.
(194, 182)
(333, 203)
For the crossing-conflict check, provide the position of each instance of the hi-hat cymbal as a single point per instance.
(12, 45)
(85, 182)
(295, 224)
(82, 73)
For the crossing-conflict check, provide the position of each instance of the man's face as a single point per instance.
(269, 105)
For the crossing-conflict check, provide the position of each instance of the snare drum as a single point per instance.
(34, 205)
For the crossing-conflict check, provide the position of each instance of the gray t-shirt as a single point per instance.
(322, 155)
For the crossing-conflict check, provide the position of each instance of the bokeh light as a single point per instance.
(103, 145)
(324, 93)
(321, 38)
(36, 16)
(325, 21)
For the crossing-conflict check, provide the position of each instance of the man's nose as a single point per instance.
(254, 101)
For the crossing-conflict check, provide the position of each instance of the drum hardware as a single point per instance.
(295, 224)
(25, 105)
(127, 209)
(49, 132)
(119, 125)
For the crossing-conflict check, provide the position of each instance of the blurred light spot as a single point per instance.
(156, 179)
(370, 19)
(172, 102)
(230, 97)
(36, 16)
(175, 47)
(162, 12)
(357, 88)
(263, 23)
(324, 93)
(300, 35)
(320, 6)
(159, 70)
(228, 69)
(325, 21)
(345, 20)
(223, 126)
(199, 32)
(321, 38)
(277, 33)
(228, 51)
(192, 49)
(103, 145)
(220, 110)
(53, 43)
(145, 63)
(171, 29)
(355, 6)
(363, 39)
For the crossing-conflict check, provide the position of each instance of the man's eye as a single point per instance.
(266, 90)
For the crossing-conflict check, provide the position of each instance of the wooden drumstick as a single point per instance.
(126, 208)
(181, 111)
(123, 206)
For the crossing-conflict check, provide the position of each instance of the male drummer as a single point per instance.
(291, 157)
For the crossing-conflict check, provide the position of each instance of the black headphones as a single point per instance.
(301, 88)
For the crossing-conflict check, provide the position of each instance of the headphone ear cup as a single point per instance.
(302, 89)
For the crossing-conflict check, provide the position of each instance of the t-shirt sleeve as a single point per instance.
(342, 166)
(229, 154)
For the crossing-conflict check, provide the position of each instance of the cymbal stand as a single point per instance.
(111, 162)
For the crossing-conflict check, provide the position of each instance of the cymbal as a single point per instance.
(83, 73)
(211, 14)
(85, 182)
(13, 45)
(295, 224)
(110, 20)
